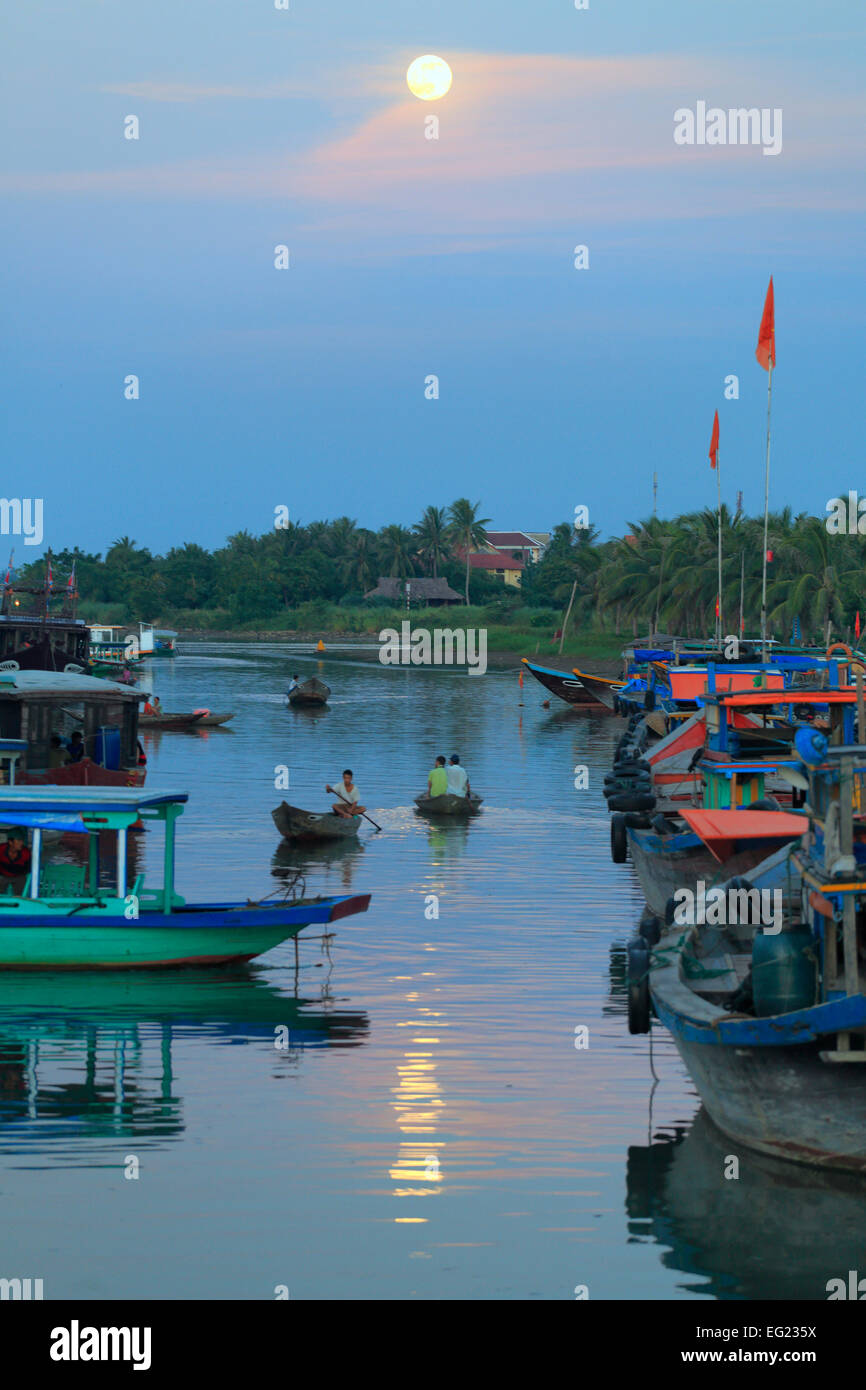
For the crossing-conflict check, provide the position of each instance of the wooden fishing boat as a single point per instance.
(560, 683)
(198, 719)
(295, 824)
(770, 1019)
(65, 917)
(448, 805)
(600, 688)
(311, 692)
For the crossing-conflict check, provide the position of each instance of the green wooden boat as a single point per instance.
(63, 917)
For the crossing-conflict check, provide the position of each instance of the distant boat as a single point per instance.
(67, 917)
(295, 824)
(448, 805)
(164, 642)
(311, 692)
(197, 719)
(560, 683)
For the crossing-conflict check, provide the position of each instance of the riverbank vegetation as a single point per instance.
(660, 576)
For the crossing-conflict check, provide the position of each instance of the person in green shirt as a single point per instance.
(437, 780)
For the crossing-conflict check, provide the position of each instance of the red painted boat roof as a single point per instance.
(846, 695)
(720, 830)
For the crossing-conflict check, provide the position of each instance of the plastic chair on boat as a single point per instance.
(62, 881)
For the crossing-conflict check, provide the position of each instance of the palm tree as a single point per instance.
(358, 567)
(822, 575)
(434, 537)
(467, 529)
(396, 544)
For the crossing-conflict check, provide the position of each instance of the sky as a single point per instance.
(412, 257)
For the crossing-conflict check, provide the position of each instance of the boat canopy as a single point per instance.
(720, 830)
(84, 808)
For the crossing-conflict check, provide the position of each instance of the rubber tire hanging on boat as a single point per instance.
(631, 801)
(650, 928)
(618, 839)
(638, 954)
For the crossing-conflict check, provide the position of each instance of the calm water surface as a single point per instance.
(431, 1131)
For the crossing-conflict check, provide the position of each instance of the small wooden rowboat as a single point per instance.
(600, 688)
(295, 824)
(448, 805)
(197, 719)
(311, 692)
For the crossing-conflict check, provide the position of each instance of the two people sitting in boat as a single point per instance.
(448, 781)
(152, 705)
(15, 857)
(348, 797)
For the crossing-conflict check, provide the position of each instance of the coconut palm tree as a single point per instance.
(820, 576)
(467, 529)
(433, 537)
(397, 547)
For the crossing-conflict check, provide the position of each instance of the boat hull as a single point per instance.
(601, 690)
(783, 1101)
(83, 774)
(561, 683)
(665, 864)
(295, 824)
(214, 935)
(448, 805)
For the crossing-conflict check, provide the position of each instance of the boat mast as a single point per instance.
(766, 517)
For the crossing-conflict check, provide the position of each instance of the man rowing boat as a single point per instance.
(349, 805)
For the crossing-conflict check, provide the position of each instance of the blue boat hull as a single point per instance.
(192, 935)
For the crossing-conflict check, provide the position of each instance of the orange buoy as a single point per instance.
(320, 646)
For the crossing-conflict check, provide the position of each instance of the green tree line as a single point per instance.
(660, 576)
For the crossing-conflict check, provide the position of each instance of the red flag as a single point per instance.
(714, 442)
(717, 606)
(766, 349)
(857, 624)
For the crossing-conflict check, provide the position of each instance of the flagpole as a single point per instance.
(742, 586)
(719, 621)
(766, 515)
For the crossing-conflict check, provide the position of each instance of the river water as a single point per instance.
(458, 1110)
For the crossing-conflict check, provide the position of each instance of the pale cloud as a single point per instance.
(525, 142)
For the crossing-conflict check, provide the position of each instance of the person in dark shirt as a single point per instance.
(76, 747)
(14, 856)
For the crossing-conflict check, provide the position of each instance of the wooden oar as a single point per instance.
(349, 803)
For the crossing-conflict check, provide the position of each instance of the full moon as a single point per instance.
(429, 77)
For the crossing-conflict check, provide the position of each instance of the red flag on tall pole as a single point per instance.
(714, 442)
(766, 349)
(857, 624)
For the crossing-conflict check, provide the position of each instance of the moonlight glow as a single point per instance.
(429, 77)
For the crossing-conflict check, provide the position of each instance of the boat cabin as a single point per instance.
(52, 888)
(36, 705)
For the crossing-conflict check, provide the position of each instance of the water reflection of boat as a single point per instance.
(340, 855)
(96, 1049)
(777, 1231)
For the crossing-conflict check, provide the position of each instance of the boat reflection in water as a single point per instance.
(90, 1055)
(335, 860)
(778, 1231)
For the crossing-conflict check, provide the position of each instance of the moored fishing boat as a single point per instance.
(66, 917)
(600, 688)
(448, 805)
(563, 684)
(295, 824)
(311, 692)
(46, 708)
